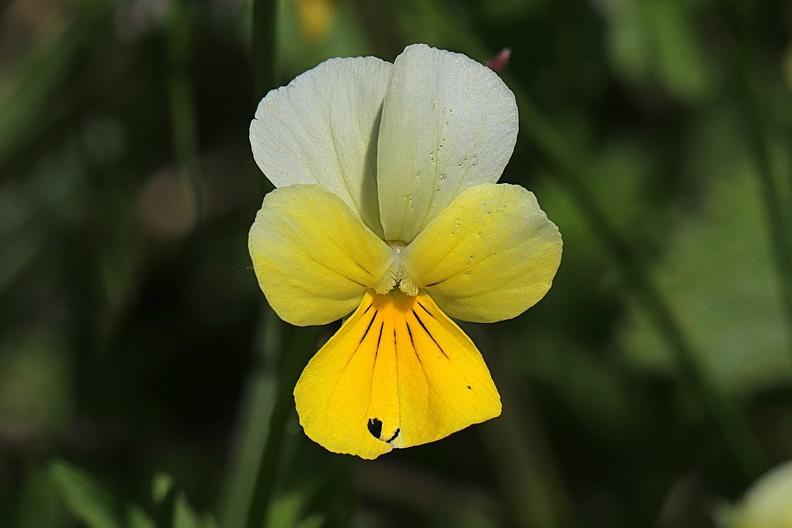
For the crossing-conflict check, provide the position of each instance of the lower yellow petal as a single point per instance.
(489, 256)
(314, 259)
(398, 373)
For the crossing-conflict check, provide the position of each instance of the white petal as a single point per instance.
(448, 123)
(322, 129)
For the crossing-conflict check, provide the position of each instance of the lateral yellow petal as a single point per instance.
(398, 373)
(489, 256)
(313, 257)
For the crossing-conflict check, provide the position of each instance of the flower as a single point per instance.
(767, 503)
(316, 18)
(386, 206)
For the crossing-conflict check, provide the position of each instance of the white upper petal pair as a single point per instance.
(396, 142)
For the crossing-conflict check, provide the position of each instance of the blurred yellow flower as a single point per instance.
(768, 504)
(316, 18)
(386, 206)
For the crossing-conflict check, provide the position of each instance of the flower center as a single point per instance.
(396, 276)
(396, 245)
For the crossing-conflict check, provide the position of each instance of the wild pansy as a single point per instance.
(386, 207)
(766, 504)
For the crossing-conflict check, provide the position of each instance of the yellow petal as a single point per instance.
(398, 373)
(489, 256)
(314, 259)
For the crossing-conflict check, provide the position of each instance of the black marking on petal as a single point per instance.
(379, 339)
(469, 387)
(353, 280)
(409, 332)
(425, 310)
(429, 333)
(368, 327)
(375, 427)
(392, 438)
(367, 309)
(415, 349)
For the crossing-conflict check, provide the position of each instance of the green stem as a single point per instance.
(526, 465)
(29, 111)
(182, 106)
(759, 140)
(252, 429)
(265, 39)
(293, 361)
(265, 59)
(263, 443)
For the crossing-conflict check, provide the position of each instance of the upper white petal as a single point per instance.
(448, 123)
(322, 129)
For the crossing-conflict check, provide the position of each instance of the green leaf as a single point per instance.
(659, 42)
(720, 281)
(39, 505)
(185, 517)
(160, 487)
(84, 497)
(137, 518)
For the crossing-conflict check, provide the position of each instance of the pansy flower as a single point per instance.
(386, 208)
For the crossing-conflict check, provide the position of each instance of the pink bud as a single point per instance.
(499, 61)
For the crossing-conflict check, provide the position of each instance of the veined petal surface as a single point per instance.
(313, 258)
(448, 123)
(322, 129)
(398, 373)
(489, 256)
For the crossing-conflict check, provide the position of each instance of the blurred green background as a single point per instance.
(144, 382)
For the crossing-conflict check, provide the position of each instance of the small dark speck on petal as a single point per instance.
(468, 386)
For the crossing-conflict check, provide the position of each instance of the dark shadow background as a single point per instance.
(135, 341)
